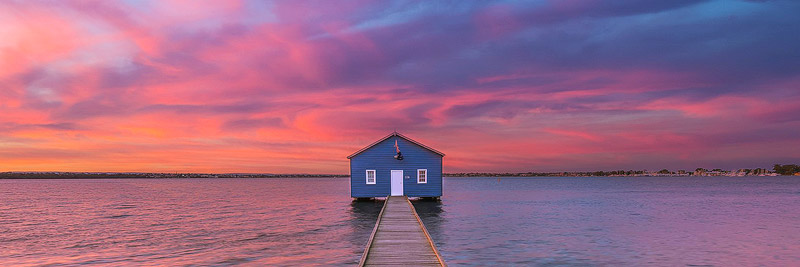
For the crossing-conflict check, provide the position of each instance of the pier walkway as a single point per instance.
(400, 238)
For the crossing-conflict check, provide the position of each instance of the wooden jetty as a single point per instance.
(400, 238)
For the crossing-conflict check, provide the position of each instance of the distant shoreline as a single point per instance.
(134, 175)
(778, 169)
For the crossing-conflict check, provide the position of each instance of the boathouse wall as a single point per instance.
(380, 157)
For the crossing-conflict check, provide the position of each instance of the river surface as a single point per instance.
(562, 221)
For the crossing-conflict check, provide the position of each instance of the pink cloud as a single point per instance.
(578, 134)
(175, 86)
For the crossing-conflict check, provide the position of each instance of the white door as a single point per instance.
(397, 182)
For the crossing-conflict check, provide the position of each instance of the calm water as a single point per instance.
(719, 221)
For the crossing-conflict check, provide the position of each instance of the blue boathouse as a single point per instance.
(398, 166)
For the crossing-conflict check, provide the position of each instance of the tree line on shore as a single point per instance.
(788, 169)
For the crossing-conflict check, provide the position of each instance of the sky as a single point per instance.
(498, 86)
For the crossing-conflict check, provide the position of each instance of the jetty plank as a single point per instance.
(400, 238)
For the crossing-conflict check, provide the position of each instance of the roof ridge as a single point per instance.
(395, 133)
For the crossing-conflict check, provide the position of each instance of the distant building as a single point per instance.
(396, 165)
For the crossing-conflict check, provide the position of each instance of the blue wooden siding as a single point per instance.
(380, 158)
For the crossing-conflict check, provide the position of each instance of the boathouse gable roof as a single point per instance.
(400, 136)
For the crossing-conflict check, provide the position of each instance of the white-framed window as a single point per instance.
(422, 176)
(371, 177)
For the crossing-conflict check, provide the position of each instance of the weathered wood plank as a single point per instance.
(400, 238)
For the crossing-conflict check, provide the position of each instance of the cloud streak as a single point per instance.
(294, 86)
